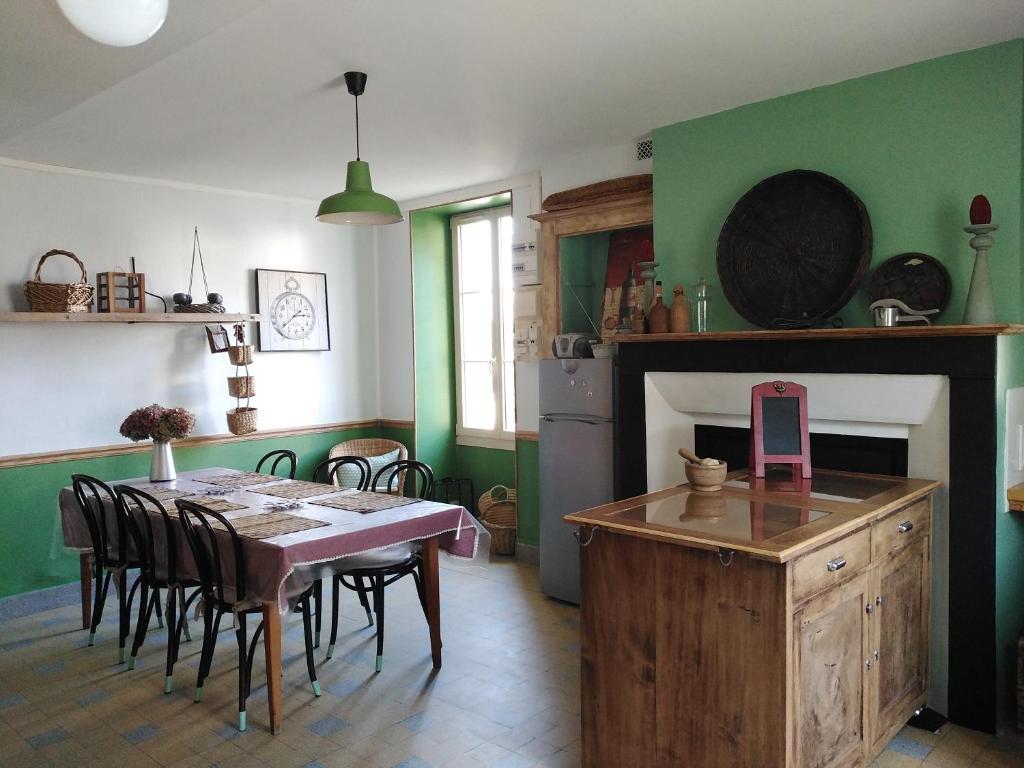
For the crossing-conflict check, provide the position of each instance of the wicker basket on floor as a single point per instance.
(498, 513)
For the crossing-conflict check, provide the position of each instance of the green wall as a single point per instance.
(583, 261)
(915, 144)
(31, 549)
(434, 330)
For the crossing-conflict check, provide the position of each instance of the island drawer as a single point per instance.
(902, 527)
(833, 564)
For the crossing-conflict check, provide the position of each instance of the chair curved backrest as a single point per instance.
(277, 457)
(99, 513)
(396, 470)
(138, 508)
(208, 534)
(327, 470)
(369, 447)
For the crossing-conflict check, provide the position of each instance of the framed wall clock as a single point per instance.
(294, 309)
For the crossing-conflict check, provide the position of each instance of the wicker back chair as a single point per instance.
(372, 446)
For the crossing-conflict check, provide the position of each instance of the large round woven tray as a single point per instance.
(793, 250)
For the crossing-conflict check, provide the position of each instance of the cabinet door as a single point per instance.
(900, 638)
(831, 637)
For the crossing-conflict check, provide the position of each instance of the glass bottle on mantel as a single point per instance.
(638, 323)
(657, 318)
(701, 307)
(679, 312)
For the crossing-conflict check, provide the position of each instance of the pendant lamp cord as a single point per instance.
(357, 128)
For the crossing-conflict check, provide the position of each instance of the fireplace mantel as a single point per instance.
(968, 356)
(898, 332)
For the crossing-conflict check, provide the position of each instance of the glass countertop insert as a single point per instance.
(823, 486)
(715, 514)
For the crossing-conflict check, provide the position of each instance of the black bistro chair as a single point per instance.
(144, 517)
(383, 567)
(277, 457)
(110, 554)
(357, 476)
(220, 559)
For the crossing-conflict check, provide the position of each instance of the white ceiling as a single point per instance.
(244, 94)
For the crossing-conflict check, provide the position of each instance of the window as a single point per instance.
(484, 373)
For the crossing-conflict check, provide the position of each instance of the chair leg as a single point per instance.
(211, 627)
(417, 576)
(142, 626)
(159, 610)
(378, 608)
(335, 602)
(124, 601)
(102, 585)
(243, 687)
(308, 632)
(363, 601)
(173, 633)
(318, 599)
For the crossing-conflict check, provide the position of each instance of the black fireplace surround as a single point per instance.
(970, 364)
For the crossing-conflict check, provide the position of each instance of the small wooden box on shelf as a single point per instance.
(120, 292)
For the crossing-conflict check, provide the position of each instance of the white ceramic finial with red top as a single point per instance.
(980, 308)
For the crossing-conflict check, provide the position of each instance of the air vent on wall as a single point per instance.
(645, 149)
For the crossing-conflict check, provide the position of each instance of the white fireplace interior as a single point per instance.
(914, 408)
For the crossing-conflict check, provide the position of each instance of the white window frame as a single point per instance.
(499, 437)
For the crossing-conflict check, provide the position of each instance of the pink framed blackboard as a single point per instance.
(778, 427)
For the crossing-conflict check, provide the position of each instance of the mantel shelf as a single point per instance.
(198, 318)
(905, 331)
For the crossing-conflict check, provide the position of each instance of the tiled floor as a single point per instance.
(508, 694)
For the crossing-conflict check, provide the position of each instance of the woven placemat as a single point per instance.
(364, 502)
(161, 494)
(295, 489)
(216, 505)
(267, 525)
(239, 479)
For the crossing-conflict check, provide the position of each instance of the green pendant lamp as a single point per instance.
(358, 204)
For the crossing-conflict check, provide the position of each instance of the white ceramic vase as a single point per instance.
(161, 466)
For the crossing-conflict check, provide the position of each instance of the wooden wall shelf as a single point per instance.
(199, 318)
(906, 331)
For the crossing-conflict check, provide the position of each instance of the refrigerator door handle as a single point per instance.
(592, 421)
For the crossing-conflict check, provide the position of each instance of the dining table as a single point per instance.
(287, 528)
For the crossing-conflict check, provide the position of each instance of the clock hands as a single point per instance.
(297, 314)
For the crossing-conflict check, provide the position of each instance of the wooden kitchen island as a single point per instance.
(761, 626)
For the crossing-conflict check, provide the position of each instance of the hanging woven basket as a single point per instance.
(242, 420)
(240, 355)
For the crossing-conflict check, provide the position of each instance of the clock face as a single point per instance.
(293, 311)
(292, 315)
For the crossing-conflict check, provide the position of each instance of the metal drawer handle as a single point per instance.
(835, 564)
(905, 526)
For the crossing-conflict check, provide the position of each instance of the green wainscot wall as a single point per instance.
(31, 546)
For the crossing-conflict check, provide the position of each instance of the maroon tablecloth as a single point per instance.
(271, 564)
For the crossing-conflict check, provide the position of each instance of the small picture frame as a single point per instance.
(294, 309)
(778, 428)
(217, 336)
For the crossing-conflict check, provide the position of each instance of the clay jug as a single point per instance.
(657, 318)
(679, 312)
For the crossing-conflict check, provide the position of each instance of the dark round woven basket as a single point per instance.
(793, 250)
(916, 279)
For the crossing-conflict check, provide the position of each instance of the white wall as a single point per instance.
(69, 386)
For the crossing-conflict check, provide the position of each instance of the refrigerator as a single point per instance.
(577, 463)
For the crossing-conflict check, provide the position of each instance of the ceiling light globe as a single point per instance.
(120, 23)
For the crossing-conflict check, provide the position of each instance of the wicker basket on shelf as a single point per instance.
(58, 297)
(497, 509)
